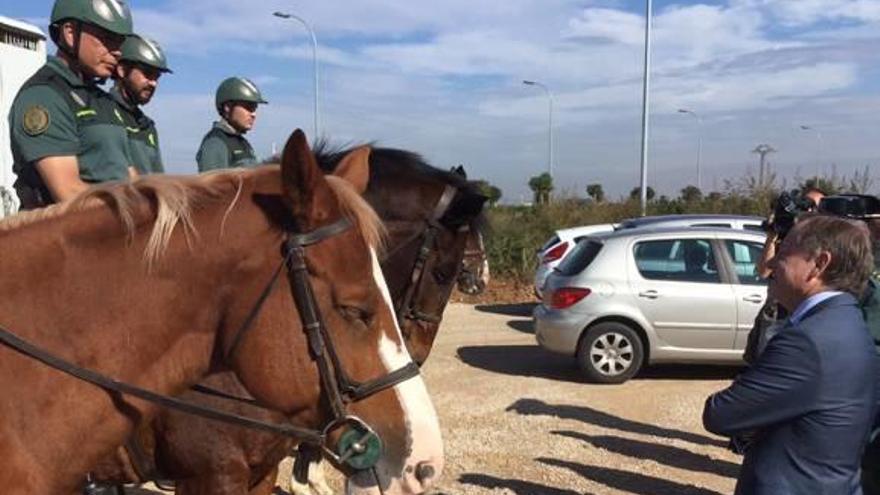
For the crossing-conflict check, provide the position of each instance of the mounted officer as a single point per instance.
(225, 145)
(63, 131)
(137, 77)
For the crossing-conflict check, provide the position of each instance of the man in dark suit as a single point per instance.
(803, 411)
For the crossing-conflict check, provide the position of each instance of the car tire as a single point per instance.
(610, 352)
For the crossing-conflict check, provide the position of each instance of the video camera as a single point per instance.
(854, 206)
(785, 210)
(789, 205)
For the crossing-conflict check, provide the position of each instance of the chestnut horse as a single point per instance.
(431, 216)
(107, 283)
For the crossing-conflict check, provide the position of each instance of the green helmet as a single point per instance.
(144, 51)
(112, 15)
(237, 89)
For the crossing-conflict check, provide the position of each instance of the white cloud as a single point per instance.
(445, 79)
(806, 12)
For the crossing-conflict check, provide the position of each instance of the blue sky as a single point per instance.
(444, 79)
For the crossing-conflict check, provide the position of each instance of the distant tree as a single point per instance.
(636, 193)
(714, 196)
(861, 182)
(596, 192)
(691, 194)
(541, 186)
(490, 191)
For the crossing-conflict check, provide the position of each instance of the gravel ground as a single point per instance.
(519, 420)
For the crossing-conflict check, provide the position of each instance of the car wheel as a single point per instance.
(610, 352)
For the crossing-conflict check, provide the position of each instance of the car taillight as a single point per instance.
(555, 253)
(567, 296)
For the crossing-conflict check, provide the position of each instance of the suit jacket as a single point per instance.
(812, 396)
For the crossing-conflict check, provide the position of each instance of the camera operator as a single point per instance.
(785, 211)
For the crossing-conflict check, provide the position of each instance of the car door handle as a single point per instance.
(754, 298)
(649, 294)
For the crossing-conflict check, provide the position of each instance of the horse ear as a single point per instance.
(300, 175)
(355, 168)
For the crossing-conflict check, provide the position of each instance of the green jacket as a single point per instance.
(224, 147)
(56, 113)
(142, 134)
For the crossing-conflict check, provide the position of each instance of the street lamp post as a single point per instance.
(646, 82)
(549, 123)
(699, 144)
(818, 151)
(286, 15)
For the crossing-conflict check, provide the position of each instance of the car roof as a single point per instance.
(677, 231)
(586, 229)
(684, 219)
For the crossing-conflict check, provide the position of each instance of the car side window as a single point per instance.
(745, 256)
(678, 260)
(722, 225)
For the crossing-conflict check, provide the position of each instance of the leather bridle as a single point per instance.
(359, 447)
(407, 309)
(473, 257)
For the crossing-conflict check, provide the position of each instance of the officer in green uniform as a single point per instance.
(62, 128)
(225, 146)
(137, 77)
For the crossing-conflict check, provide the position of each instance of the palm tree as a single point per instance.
(541, 186)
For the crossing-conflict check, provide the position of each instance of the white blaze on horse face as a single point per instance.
(421, 418)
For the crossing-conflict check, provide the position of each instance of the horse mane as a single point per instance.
(356, 209)
(401, 164)
(175, 198)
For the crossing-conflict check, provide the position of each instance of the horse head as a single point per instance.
(429, 213)
(376, 419)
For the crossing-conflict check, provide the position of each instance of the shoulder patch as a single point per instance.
(36, 120)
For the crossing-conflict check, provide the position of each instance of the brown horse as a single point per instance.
(431, 216)
(157, 307)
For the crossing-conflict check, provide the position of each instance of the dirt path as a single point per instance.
(519, 420)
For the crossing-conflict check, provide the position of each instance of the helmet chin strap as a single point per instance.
(72, 52)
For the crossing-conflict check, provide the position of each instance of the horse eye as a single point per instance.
(441, 277)
(355, 314)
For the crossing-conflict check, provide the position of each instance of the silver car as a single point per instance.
(622, 300)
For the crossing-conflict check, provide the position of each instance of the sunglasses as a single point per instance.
(247, 105)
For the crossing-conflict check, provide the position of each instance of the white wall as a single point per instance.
(16, 66)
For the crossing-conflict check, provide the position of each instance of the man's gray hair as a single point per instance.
(848, 242)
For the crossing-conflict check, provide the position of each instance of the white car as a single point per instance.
(552, 252)
(736, 222)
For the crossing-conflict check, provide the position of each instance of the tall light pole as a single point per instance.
(549, 123)
(763, 150)
(818, 151)
(646, 80)
(286, 15)
(699, 144)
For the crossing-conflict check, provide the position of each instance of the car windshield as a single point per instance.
(581, 256)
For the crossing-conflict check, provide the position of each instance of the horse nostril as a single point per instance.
(424, 472)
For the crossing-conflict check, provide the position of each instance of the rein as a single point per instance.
(359, 446)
